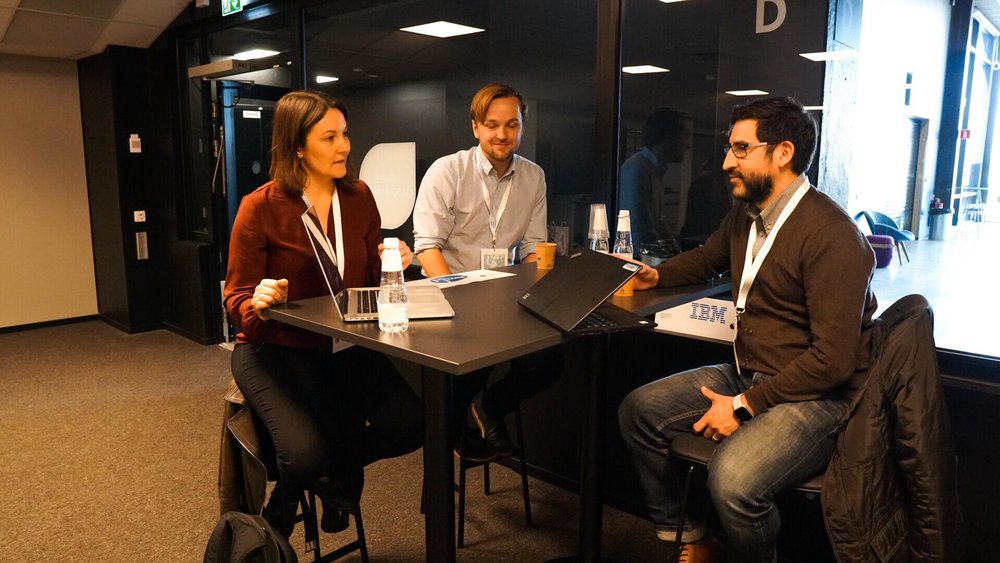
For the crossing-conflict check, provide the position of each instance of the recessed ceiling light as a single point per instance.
(845, 55)
(254, 54)
(320, 79)
(442, 29)
(813, 108)
(746, 92)
(670, 1)
(643, 69)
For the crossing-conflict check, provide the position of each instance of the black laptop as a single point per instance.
(571, 297)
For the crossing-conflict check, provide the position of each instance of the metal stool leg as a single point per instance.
(680, 521)
(462, 466)
(524, 466)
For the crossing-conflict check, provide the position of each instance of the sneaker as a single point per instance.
(692, 532)
(708, 551)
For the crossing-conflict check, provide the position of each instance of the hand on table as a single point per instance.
(267, 293)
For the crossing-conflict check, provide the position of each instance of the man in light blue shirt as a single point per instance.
(484, 198)
(475, 208)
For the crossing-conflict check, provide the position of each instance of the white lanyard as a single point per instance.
(338, 230)
(751, 265)
(494, 221)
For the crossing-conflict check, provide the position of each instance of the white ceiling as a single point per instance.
(73, 29)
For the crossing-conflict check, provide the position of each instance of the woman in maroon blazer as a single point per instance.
(329, 414)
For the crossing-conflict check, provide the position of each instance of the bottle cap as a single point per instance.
(624, 222)
(391, 242)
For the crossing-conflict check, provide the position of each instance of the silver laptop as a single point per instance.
(361, 303)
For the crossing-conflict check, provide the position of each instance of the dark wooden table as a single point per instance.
(489, 327)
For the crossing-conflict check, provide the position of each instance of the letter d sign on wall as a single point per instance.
(778, 19)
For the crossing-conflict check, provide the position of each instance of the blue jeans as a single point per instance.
(777, 449)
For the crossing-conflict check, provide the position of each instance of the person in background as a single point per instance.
(642, 188)
(328, 414)
(476, 208)
(802, 276)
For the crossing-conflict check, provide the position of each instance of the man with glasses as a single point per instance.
(801, 274)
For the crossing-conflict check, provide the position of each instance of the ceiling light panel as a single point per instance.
(254, 54)
(845, 55)
(746, 92)
(320, 79)
(643, 69)
(442, 29)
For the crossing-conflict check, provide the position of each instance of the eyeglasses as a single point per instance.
(740, 150)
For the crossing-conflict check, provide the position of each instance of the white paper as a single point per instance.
(462, 278)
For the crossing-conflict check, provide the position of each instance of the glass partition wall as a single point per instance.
(408, 87)
(867, 80)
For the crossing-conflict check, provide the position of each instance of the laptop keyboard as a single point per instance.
(367, 301)
(593, 321)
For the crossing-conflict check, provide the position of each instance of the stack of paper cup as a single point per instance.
(598, 222)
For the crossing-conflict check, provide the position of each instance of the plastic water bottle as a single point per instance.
(393, 313)
(623, 238)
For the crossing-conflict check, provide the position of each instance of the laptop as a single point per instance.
(571, 296)
(361, 303)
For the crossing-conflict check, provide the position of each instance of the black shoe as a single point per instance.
(491, 431)
(476, 450)
(334, 495)
(334, 520)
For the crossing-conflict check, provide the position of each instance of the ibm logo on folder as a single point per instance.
(705, 319)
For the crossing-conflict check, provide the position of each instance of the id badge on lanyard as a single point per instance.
(493, 257)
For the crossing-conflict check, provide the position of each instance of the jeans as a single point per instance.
(774, 451)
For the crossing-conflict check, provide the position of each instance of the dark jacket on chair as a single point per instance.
(242, 474)
(890, 491)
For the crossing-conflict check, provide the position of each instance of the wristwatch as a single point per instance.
(740, 410)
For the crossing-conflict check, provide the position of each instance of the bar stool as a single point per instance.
(696, 451)
(464, 465)
(247, 451)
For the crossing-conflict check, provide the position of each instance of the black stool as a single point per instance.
(696, 451)
(464, 465)
(307, 514)
(250, 446)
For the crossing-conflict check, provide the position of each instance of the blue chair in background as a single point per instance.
(882, 224)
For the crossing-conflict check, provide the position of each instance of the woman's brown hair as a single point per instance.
(294, 116)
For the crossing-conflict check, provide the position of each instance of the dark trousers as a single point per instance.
(328, 414)
(529, 375)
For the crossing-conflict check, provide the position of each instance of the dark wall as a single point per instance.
(187, 279)
(113, 105)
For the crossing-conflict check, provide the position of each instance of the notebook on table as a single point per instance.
(572, 296)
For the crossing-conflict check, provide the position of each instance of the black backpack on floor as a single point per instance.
(244, 538)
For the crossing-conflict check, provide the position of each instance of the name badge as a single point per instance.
(493, 258)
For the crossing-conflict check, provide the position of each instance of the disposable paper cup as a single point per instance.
(545, 252)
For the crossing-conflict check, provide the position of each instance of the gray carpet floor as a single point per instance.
(110, 453)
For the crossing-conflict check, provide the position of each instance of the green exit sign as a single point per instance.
(231, 7)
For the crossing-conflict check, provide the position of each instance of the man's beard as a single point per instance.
(757, 188)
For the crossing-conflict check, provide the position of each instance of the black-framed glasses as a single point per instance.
(740, 150)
